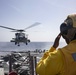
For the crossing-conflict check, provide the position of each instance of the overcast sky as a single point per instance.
(20, 14)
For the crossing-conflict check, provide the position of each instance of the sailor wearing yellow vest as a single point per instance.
(63, 60)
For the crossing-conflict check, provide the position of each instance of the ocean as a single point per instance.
(32, 46)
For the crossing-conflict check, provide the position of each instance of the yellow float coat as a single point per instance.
(58, 62)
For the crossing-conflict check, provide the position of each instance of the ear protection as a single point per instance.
(64, 27)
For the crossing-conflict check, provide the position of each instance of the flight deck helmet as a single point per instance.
(68, 27)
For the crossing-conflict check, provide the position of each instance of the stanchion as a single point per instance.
(35, 59)
(31, 65)
(10, 63)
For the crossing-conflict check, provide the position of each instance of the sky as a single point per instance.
(20, 14)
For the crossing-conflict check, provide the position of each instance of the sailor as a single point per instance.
(61, 61)
(13, 73)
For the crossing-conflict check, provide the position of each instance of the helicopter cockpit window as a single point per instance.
(22, 35)
(17, 35)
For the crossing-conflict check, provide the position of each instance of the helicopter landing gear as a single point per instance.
(28, 40)
(26, 43)
(17, 43)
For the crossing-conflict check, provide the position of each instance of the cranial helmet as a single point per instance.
(68, 27)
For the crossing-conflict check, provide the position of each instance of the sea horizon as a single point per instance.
(10, 46)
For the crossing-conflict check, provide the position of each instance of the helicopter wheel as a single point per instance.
(15, 43)
(28, 40)
(18, 44)
(26, 43)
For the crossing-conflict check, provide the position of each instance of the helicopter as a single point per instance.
(20, 36)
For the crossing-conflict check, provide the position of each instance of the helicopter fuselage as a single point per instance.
(20, 37)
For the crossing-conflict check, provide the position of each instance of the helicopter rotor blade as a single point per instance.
(21, 30)
(8, 28)
(35, 24)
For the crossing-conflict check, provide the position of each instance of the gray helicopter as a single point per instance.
(20, 36)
